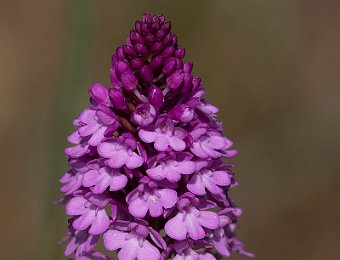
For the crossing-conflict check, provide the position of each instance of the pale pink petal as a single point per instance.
(196, 186)
(161, 143)
(221, 178)
(100, 224)
(85, 220)
(138, 208)
(156, 173)
(129, 250)
(76, 206)
(197, 150)
(90, 178)
(147, 136)
(117, 160)
(148, 252)
(206, 256)
(155, 206)
(195, 230)
(209, 219)
(176, 228)
(134, 161)
(210, 185)
(106, 150)
(114, 239)
(186, 167)
(97, 136)
(176, 143)
(118, 182)
(168, 198)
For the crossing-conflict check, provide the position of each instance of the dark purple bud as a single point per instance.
(149, 38)
(182, 113)
(144, 28)
(160, 34)
(196, 81)
(117, 99)
(154, 27)
(179, 64)
(120, 53)
(99, 93)
(156, 62)
(129, 51)
(144, 114)
(180, 53)
(166, 27)
(114, 78)
(146, 74)
(129, 81)
(156, 97)
(136, 63)
(141, 49)
(136, 37)
(167, 39)
(175, 80)
(187, 68)
(138, 26)
(157, 47)
(168, 52)
(174, 40)
(169, 66)
(122, 66)
(187, 82)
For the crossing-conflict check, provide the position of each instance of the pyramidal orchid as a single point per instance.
(146, 172)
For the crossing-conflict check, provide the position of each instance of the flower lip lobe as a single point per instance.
(146, 171)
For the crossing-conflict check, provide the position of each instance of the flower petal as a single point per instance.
(100, 223)
(148, 251)
(176, 228)
(209, 219)
(129, 250)
(76, 206)
(168, 198)
(114, 239)
(138, 208)
(196, 186)
(147, 136)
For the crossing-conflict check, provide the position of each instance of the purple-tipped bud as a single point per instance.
(167, 39)
(175, 80)
(149, 38)
(99, 94)
(156, 97)
(146, 74)
(136, 37)
(129, 81)
(187, 82)
(169, 66)
(117, 99)
(144, 114)
(122, 66)
(156, 62)
(166, 27)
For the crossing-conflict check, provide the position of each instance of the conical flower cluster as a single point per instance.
(147, 174)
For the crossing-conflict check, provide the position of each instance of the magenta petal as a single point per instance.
(220, 242)
(186, 167)
(90, 178)
(154, 206)
(97, 136)
(156, 173)
(176, 228)
(100, 223)
(148, 252)
(76, 206)
(114, 239)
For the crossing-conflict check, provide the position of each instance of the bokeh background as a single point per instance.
(273, 68)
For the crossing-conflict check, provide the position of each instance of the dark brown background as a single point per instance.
(273, 68)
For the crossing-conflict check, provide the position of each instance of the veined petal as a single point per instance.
(147, 136)
(176, 227)
(76, 206)
(100, 223)
(148, 251)
(114, 239)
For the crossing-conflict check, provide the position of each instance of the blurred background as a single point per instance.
(273, 68)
